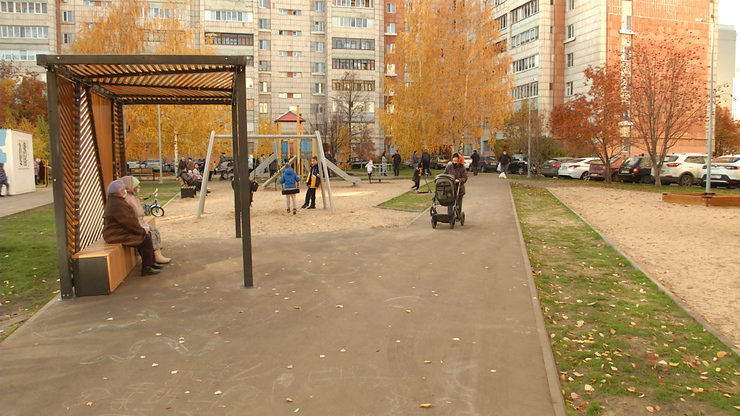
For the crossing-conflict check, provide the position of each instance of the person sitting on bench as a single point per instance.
(121, 226)
(133, 199)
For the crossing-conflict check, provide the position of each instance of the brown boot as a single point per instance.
(159, 258)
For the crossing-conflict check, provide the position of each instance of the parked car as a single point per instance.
(467, 160)
(597, 170)
(439, 161)
(576, 168)
(636, 169)
(518, 164)
(725, 171)
(550, 168)
(133, 164)
(683, 169)
(152, 164)
(488, 164)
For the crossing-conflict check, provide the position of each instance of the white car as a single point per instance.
(468, 160)
(725, 171)
(577, 168)
(683, 169)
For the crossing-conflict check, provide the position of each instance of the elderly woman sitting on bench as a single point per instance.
(122, 227)
(132, 197)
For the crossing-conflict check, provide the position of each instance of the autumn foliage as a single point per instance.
(454, 84)
(23, 106)
(726, 132)
(591, 121)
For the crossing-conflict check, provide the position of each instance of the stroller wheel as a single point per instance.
(434, 222)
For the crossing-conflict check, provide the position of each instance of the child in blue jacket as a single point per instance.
(290, 180)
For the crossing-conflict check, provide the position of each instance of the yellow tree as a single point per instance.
(125, 29)
(453, 86)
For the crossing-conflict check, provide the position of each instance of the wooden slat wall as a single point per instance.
(90, 197)
(67, 121)
(101, 109)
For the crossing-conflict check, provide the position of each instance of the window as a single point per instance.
(569, 60)
(318, 67)
(19, 55)
(353, 22)
(626, 53)
(234, 39)
(390, 7)
(319, 88)
(291, 12)
(343, 85)
(318, 46)
(290, 74)
(262, 4)
(499, 2)
(353, 64)
(524, 64)
(318, 108)
(290, 33)
(571, 4)
(290, 53)
(264, 108)
(524, 11)
(368, 4)
(264, 87)
(390, 47)
(23, 7)
(264, 65)
(68, 38)
(264, 44)
(318, 6)
(568, 89)
(264, 24)
(28, 32)
(627, 23)
(390, 69)
(390, 28)
(158, 13)
(525, 91)
(250, 83)
(228, 16)
(318, 27)
(289, 95)
(68, 17)
(353, 43)
(570, 33)
(501, 20)
(529, 35)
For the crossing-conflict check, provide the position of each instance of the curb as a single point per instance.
(556, 396)
(681, 304)
(24, 324)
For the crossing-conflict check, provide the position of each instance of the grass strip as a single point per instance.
(622, 345)
(28, 261)
(410, 201)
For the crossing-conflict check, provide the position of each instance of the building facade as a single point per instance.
(27, 28)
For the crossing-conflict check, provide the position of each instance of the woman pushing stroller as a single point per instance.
(457, 169)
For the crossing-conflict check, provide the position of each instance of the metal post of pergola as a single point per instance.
(86, 96)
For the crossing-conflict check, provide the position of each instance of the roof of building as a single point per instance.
(288, 117)
(152, 79)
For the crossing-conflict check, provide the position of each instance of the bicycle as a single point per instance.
(153, 209)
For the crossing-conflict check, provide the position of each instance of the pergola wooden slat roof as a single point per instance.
(86, 96)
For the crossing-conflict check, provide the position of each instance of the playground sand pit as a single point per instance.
(355, 209)
(690, 249)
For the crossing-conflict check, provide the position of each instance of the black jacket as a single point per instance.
(426, 157)
(475, 157)
(504, 159)
(396, 159)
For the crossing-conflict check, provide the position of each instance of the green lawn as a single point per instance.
(28, 258)
(410, 201)
(613, 329)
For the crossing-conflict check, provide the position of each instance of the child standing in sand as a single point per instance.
(369, 168)
(290, 180)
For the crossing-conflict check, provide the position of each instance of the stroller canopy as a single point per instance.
(445, 189)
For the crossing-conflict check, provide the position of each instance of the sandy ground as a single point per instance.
(691, 250)
(354, 210)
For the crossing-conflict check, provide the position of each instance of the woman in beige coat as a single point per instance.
(132, 198)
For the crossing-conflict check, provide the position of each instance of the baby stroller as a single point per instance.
(446, 195)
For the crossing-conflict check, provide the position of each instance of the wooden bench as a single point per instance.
(142, 173)
(186, 191)
(99, 268)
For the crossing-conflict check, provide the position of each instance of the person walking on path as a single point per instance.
(417, 177)
(475, 160)
(415, 160)
(290, 180)
(383, 165)
(426, 160)
(457, 169)
(132, 198)
(503, 164)
(369, 166)
(4, 180)
(120, 226)
(396, 163)
(313, 182)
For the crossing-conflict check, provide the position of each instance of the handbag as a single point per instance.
(498, 168)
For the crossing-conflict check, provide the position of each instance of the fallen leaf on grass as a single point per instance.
(588, 388)
(650, 409)
(721, 354)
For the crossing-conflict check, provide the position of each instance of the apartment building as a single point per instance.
(27, 28)
(553, 42)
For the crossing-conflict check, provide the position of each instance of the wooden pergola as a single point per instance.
(86, 96)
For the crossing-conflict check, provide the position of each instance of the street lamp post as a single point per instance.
(710, 107)
(159, 129)
(529, 137)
